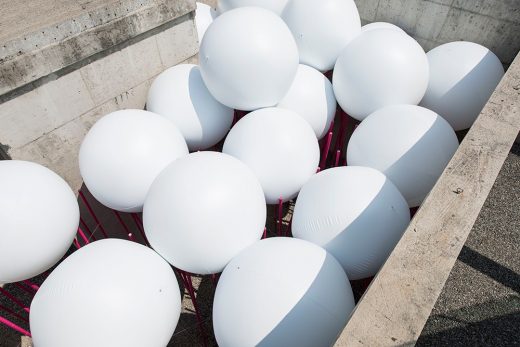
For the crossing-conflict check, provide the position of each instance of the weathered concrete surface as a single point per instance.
(33, 49)
(492, 23)
(397, 304)
(480, 302)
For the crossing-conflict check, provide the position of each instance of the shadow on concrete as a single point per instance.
(491, 268)
(493, 323)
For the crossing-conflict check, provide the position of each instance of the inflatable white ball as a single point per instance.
(179, 94)
(322, 30)
(279, 146)
(123, 153)
(380, 67)
(463, 75)
(355, 213)
(204, 16)
(39, 217)
(248, 58)
(277, 6)
(380, 25)
(312, 97)
(202, 210)
(108, 293)
(281, 292)
(411, 145)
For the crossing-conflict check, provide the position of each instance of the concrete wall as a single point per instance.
(46, 120)
(492, 23)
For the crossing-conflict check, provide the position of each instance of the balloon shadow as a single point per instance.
(316, 319)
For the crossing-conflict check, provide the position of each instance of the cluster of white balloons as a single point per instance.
(205, 212)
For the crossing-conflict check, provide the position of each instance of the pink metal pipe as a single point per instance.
(14, 326)
(8, 310)
(82, 235)
(32, 285)
(14, 299)
(24, 288)
(91, 211)
(326, 149)
(128, 232)
(139, 224)
(186, 278)
(280, 217)
(336, 160)
(87, 229)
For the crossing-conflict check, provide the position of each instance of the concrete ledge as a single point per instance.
(397, 304)
(27, 57)
(492, 23)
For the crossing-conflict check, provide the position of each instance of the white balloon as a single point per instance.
(248, 58)
(123, 153)
(380, 25)
(312, 97)
(179, 94)
(380, 67)
(108, 293)
(277, 6)
(355, 213)
(39, 217)
(202, 210)
(411, 145)
(322, 31)
(279, 146)
(281, 292)
(463, 75)
(204, 16)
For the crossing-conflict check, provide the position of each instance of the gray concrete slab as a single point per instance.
(480, 303)
(492, 23)
(22, 17)
(60, 36)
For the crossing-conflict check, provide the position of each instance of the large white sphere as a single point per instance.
(202, 210)
(123, 153)
(204, 16)
(109, 293)
(179, 94)
(322, 30)
(463, 75)
(312, 97)
(248, 58)
(39, 217)
(281, 292)
(381, 25)
(277, 6)
(355, 213)
(380, 67)
(411, 145)
(279, 146)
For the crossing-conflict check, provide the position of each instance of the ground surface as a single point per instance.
(480, 303)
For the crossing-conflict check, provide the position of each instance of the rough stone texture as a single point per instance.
(35, 45)
(47, 124)
(480, 303)
(397, 304)
(492, 23)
